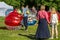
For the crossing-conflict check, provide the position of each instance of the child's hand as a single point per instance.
(57, 23)
(48, 22)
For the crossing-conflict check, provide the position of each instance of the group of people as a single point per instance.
(43, 32)
(29, 14)
(42, 16)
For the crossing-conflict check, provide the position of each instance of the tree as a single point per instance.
(19, 3)
(50, 3)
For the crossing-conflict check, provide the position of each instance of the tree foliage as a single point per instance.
(19, 3)
(50, 3)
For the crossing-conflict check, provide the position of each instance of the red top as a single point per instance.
(49, 15)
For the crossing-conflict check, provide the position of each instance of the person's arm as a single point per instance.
(38, 15)
(57, 18)
(50, 17)
(46, 15)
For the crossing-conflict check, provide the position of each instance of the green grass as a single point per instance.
(18, 34)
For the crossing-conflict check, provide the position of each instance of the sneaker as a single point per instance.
(51, 38)
(57, 37)
(26, 30)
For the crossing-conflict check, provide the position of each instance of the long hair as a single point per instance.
(53, 10)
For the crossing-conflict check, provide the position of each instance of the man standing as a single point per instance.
(25, 18)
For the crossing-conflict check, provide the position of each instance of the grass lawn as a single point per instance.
(18, 34)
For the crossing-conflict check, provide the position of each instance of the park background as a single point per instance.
(36, 3)
(21, 34)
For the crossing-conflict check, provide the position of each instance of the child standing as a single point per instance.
(54, 22)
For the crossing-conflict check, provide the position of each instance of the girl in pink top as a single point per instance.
(43, 14)
(42, 32)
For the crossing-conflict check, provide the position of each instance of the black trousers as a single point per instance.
(25, 22)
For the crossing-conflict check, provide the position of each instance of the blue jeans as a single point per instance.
(25, 22)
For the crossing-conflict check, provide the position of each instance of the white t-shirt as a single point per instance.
(54, 18)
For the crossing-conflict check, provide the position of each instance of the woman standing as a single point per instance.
(43, 32)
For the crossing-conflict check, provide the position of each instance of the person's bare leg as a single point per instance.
(52, 34)
(56, 29)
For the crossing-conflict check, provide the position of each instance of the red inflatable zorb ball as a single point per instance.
(13, 19)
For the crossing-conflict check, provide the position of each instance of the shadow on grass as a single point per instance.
(30, 36)
(4, 28)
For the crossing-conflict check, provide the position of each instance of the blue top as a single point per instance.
(24, 12)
